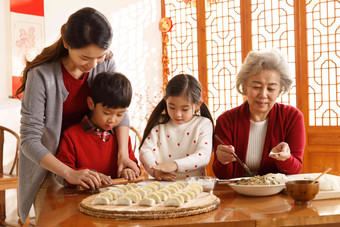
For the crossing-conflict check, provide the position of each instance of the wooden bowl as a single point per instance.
(302, 191)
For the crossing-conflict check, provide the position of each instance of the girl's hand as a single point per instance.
(224, 154)
(160, 175)
(281, 152)
(84, 177)
(124, 162)
(105, 179)
(128, 174)
(166, 167)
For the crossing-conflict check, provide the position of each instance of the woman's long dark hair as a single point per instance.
(182, 84)
(84, 27)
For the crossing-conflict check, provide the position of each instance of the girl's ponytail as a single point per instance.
(157, 117)
(205, 112)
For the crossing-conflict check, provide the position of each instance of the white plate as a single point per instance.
(256, 190)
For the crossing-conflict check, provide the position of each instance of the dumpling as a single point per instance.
(175, 186)
(141, 192)
(123, 201)
(159, 186)
(185, 195)
(147, 202)
(124, 189)
(190, 193)
(167, 192)
(172, 202)
(171, 190)
(147, 190)
(197, 185)
(128, 187)
(194, 190)
(133, 185)
(180, 184)
(162, 195)
(100, 200)
(155, 197)
(180, 197)
(109, 195)
(151, 186)
(116, 190)
(133, 195)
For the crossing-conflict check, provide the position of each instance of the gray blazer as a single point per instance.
(41, 118)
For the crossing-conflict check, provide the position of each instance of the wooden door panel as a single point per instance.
(321, 159)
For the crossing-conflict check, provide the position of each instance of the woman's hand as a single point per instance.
(128, 174)
(281, 152)
(224, 154)
(105, 179)
(84, 177)
(166, 167)
(124, 162)
(160, 175)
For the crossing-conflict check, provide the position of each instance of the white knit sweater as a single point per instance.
(257, 136)
(189, 145)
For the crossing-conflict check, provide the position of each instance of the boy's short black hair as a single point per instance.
(112, 90)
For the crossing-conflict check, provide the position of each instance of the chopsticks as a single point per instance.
(237, 158)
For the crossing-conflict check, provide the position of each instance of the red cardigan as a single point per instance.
(285, 124)
(81, 150)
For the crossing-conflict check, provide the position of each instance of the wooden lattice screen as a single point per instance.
(210, 41)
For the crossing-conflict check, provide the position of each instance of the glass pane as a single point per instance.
(273, 27)
(224, 55)
(182, 47)
(323, 41)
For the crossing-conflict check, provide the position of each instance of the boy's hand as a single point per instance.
(160, 175)
(128, 174)
(105, 179)
(124, 162)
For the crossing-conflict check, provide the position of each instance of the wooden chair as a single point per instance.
(10, 180)
(136, 139)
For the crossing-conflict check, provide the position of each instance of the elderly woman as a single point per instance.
(267, 136)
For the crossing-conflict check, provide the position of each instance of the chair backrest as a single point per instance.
(136, 138)
(2, 142)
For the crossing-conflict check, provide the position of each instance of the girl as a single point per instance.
(177, 141)
(56, 85)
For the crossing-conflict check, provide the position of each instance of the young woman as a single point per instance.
(55, 85)
(177, 140)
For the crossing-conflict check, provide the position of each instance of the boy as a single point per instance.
(92, 144)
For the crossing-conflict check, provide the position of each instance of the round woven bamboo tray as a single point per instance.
(205, 202)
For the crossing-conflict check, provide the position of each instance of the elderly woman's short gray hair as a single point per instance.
(257, 61)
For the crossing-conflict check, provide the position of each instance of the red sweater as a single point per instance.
(75, 105)
(285, 124)
(81, 150)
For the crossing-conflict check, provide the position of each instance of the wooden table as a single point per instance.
(60, 208)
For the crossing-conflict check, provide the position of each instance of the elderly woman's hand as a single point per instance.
(281, 152)
(224, 154)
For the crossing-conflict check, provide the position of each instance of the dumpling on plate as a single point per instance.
(172, 202)
(155, 197)
(100, 200)
(123, 201)
(147, 202)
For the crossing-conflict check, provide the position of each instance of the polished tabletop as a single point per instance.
(60, 208)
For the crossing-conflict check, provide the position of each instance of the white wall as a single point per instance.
(5, 53)
(136, 47)
(9, 109)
